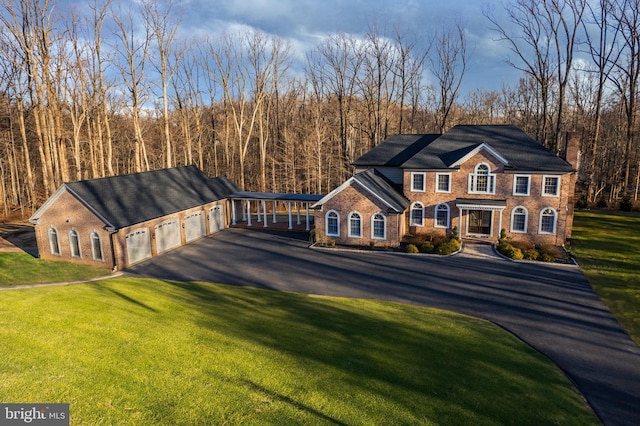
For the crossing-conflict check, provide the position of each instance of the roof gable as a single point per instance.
(129, 199)
(377, 185)
(461, 156)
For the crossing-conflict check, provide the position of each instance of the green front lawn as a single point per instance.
(19, 268)
(607, 246)
(141, 351)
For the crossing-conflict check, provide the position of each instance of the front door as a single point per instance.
(480, 222)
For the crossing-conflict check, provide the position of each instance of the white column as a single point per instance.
(244, 210)
(307, 204)
(258, 211)
(290, 218)
(298, 205)
(460, 223)
(233, 211)
(264, 210)
(499, 223)
(248, 213)
(274, 212)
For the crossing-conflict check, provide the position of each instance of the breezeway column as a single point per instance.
(233, 211)
(307, 228)
(290, 217)
(248, 213)
(264, 210)
(298, 205)
(274, 212)
(244, 210)
(258, 210)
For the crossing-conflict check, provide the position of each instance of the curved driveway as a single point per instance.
(552, 308)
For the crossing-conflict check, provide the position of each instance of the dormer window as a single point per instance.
(482, 181)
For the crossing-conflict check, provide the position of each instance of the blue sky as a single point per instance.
(304, 23)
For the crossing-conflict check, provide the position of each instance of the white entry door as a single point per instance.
(216, 219)
(138, 245)
(194, 226)
(167, 235)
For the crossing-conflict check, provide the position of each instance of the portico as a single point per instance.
(480, 217)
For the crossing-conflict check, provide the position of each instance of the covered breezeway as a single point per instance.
(273, 210)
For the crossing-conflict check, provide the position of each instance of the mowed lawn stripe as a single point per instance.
(143, 351)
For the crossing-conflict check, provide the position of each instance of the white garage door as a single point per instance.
(194, 226)
(138, 245)
(167, 235)
(216, 219)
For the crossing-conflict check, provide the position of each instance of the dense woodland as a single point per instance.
(111, 88)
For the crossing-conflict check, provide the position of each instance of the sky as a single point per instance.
(305, 23)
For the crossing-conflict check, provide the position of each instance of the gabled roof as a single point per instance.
(519, 150)
(377, 185)
(125, 200)
(395, 150)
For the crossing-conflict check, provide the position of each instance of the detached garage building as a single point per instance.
(122, 220)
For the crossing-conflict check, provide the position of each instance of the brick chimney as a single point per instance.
(572, 149)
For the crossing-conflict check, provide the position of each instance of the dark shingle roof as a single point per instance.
(520, 150)
(129, 199)
(383, 188)
(395, 150)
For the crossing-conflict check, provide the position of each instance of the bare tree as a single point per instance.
(448, 63)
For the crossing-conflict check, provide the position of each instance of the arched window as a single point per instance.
(54, 244)
(355, 225)
(74, 243)
(96, 246)
(482, 181)
(519, 217)
(442, 216)
(417, 214)
(378, 226)
(548, 221)
(332, 224)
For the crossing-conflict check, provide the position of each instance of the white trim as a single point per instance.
(349, 217)
(438, 174)
(479, 148)
(326, 223)
(345, 184)
(526, 220)
(515, 180)
(384, 229)
(472, 182)
(435, 216)
(424, 181)
(544, 178)
(555, 221)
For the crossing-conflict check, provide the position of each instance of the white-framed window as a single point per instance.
(482, 181)
(96, 246)
(54, 243)
(417, 214)
(442, 216)
(417, 182)
(547, 221)
(74, 243)
(519, 219)
(378, 226)
(550, 186)
(355, 225)
(332, 225)
(521, 184)
(443, 182)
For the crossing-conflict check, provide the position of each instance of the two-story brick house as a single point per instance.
(480, 179)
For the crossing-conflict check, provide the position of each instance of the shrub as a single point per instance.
(602, 204)
(454, 233)
(332, 243)
(426, 247)
(449, 247)
(510, 251)
(546, 257)
(411, 248)
(372, 244)
(582, 203)
(626, 204)
(531, 254)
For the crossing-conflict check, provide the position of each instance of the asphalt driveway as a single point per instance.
(552, 308)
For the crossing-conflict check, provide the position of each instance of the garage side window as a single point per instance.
(333, 224)
(74, 243)
(96, 246)
(54, 244)
(355, 225)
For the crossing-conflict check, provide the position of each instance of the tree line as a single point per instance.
(111, 88)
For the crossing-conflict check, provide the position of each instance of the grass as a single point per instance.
(606, 245)
(18, 268)
(141, 351)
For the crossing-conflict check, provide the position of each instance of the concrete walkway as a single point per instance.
(553, 309)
